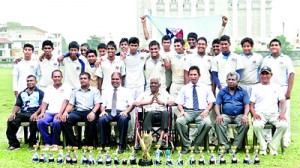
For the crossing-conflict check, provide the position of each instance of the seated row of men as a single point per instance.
(194, 101)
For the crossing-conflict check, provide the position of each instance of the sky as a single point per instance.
(77, 19)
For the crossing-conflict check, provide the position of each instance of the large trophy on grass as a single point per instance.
(145, 142)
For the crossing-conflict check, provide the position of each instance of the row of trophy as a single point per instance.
(105, 159)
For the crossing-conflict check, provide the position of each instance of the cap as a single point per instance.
(266, 69)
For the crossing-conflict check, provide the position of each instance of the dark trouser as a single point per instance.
(89, 132)
(122, 121)
(13, 126)
(151, 116)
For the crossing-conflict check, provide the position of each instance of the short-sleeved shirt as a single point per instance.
(47, 66)
(162, 95)
(232, 104)
(223, 65)
(95, 74)
(266, 98)
(204, 63)
(30, 102)
(155, 69)
(85, 100)
(55, 97)
(204, 94)
(107, 68)
(124, 98)
(252, 65)
(282, 67)
(177, 66)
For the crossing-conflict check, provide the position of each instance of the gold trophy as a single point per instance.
(256, 148)
(201, 148)
(247, 158)
(247, 147)
(222, 149)
(233, 149)
(35, 147)
(192, 159)
(212, 148)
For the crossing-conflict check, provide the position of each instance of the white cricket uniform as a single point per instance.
(168, 56)
(155, 69)
(47, 66)
(95, 74)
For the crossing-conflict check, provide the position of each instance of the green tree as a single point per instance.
(13, 24)
(94, 40)
(286, 47)
(64, 45)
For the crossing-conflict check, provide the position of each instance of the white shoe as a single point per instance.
(272, 151)
(263, 152)
(286, 143)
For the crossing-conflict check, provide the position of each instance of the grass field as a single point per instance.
(22, 158)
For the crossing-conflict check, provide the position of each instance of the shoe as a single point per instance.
(54, 148)
(263, 152)
(159, 142)
(12, 148)
(31, 148)
(46, 148)
(120, 150)
(272, 151)
(185, 151)
(286, 143)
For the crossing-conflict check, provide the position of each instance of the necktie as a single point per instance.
(195, 99)
(114, 103)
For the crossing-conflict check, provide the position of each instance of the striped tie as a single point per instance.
(195, 99)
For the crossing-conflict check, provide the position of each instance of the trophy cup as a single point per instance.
(43, 158)
(60, 158)
(84, 159)
(221, 158)
(108, 161)
(145, 141)
(35, 156)
(132, 159)
(212, 148)
(51, 158)
(247, 158)
(74, 159)
(256, 148)
(179, 160)
(212, 159)
(68, 155)
(201, 159)
(100, 158)
(256, 158)
(192, 159)
(233, 149)
(233, 157)
(169, 161)
(91, 159)
(157, 160)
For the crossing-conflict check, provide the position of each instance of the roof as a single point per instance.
(5, 41)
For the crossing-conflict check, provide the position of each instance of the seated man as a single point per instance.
(264, 108)
(26, 109)
(54, 103)
(84, 102)
(235, 108)
(194, 101)
(117, 104)
(155, 101)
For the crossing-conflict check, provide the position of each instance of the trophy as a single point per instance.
(43, 158)
(221, 158)
(212, 148)
(74, 159)
(201, 159)
(157, 160)
(132, 159)
(68, 155)
(247, 147)
(179, 160)
(233, 159)
(116, 159)
(108, 161)
(256, 148)
(145, 141)
(124, 162)
(247, 158)
(100, 158)
(233, 149)
(51, 158)
(60, 158)
(192, 159)
(169, 161)
(256, 159)
(91, 159)
(35, 156)
(84, 159)
(212, 160)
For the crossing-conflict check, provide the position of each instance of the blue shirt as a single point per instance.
(232, 104)
(30, 102)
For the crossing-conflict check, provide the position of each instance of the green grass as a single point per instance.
(22, 158)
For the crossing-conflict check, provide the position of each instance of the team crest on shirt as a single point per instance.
(62, 91)
(32, 67)
(254, 61)
(142, 58)
(117, 67)
(77, 68)
(233, 59)
(55, 64)
(208, 60)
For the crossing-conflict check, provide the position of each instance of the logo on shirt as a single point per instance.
(117, 67)
(62, 91)
(233, 59)
(78, 68)
(32, 67)
(254, 61)
(208, 60)
(55, 64)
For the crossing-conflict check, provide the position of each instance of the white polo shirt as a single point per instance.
(266, 98)
(124, 98)
(177, 66)
(107, 68)
(204, 63)
(281, 67)
(95, 73)
(47, 66)
(21, 72)
(155, 69)
(252, 65)
(55, 97)
(224, 65)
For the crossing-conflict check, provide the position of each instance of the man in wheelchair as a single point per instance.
(154, 104)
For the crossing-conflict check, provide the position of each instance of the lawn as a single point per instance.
(22, 158)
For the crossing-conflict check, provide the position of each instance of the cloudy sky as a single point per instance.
(78, 19)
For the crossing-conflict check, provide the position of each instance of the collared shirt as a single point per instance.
(95, 74)
(266, 98)
(155, 69)
(282, 67)
(47, 66)
(251, 71)
(204, 63)
(162, 95)
(30, 102)
(21, 72)
(85, 100)
(223, 65)
(124, 98)
(168, 56)
(107, 68)
(177, 63)
(204, 94)
(232, 104)
(55, 97)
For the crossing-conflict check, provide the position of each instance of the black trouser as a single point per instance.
(13, 126)
(152, 116)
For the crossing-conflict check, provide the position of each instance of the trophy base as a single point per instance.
(100, 163)
(74, 161)
(51, 160)
(116, 162)
(246, 161)
(212, 162)
(145, 162)
(201, 162)
(124, 162)
(192, 162)
(223, 162)
(256, 162)
(157, 162)
(133, 162)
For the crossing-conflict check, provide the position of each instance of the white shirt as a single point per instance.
(21, 72)
(124, 98)
(223, 66)
(266, 98)
(47, 67)
(204, 94)
(95, 73)
(107, 68)
(204, 63)
(155, 69)
(281, 67)
(55, 97)
(162, 95)
(177, 63)
(251, 71)
(135, 70)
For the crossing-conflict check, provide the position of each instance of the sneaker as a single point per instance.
(286, 143)
(263, 152)
(12, 148)
(46, 148)
(272, 151)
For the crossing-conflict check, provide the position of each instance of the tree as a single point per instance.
(13, 24)
(94, 40)
(64, 45)
(286, 47)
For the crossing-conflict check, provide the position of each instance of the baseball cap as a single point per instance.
(266, 69)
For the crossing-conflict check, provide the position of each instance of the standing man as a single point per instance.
(117, 104)
(54, 103)
(264, 108)
(27, 108)
(91, 55)
(234, 102)
(83, 104)
(215, 47)
(283, 75)
(194, 102)
(192, 41)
